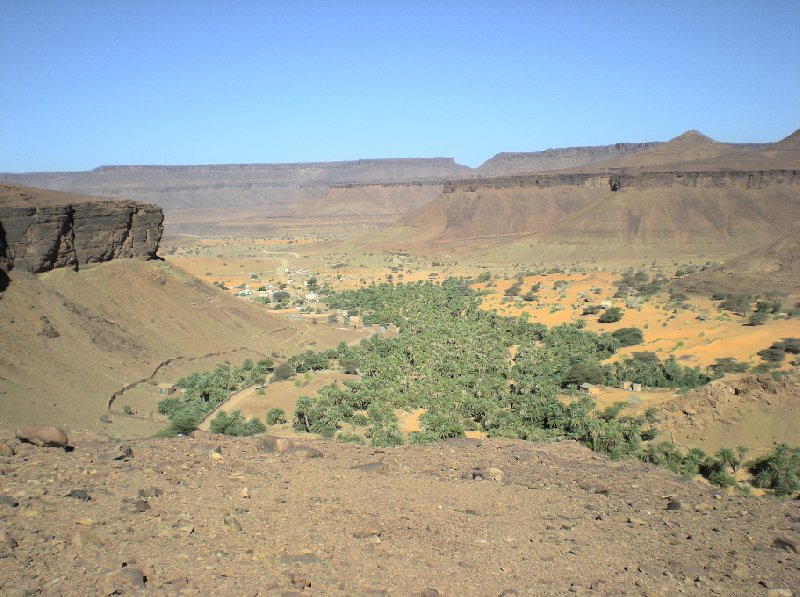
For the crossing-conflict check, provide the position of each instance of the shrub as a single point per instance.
(757, 318)
(184, 422)
(769, 307)
(236, 424)
(283, 372)
(736, 303)
(276, 416)
(628, 336)
(610, 315)
(779, 471)
(728, 365)
(773, 354)
(584, 373)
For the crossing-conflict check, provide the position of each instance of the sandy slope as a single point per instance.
(72, 339)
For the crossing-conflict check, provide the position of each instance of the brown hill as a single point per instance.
(580, 216)
(72, 339)
(772, 267)
(386, 200)
(693, 151)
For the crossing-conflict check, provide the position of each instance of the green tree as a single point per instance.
(610, 315)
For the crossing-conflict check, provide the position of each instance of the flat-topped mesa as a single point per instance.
(44, 230)
(363, 170)
(641, 180)
(510, 163)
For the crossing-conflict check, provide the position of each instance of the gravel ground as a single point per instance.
(210, 515)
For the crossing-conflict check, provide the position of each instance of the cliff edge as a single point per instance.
(42, 230)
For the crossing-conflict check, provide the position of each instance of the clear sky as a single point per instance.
(88, 83)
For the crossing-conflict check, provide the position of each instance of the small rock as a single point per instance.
(85, 522)
(371, 467)
(141, 505)
(122, 580)
(151, 492)
(301, 453)
(368, 531)
(6, 451)
(7, 540)
(636, 521)
(674, 505)
(427, 593)
(232, 523)
(244, 493)
(701, 507)
(779, 593)
(300, 582)
(741, 572)
(487, 474)
(9, 500)
(43, 436)
(785, 544)
(123, 452)
(270, 443)
(214, 455)
(79, 494)
(206, 447)
(85, 538)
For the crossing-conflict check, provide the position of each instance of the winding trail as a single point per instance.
(169, 361)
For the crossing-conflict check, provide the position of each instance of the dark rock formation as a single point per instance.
(639, 180)
(67, 231)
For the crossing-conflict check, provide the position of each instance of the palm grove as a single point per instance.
(470, 369)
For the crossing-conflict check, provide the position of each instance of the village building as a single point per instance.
(590, 389)
(166, 389)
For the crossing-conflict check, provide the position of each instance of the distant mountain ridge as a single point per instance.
(196, 195)
(507, 163)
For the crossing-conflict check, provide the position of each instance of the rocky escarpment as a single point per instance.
(40, 230)
(508, 163)
(639, 180)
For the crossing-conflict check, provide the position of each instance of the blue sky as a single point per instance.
(182, 82)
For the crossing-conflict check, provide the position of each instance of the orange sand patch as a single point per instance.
(281, 394)
(666, 332)
(409, 421)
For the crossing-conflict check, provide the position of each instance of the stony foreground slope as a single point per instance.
(210, 515)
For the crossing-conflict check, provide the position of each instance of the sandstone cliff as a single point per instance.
(43, 230)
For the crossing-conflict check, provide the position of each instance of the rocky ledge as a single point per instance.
(43, 230)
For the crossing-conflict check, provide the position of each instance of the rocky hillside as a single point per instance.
(42, 230)
(208, 515)
(582, 215)
(772, 267)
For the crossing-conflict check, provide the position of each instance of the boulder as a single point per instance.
(301, 453)
(269, 444)
(43, 436)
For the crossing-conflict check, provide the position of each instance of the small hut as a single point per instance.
(166, 389)
(587, 388)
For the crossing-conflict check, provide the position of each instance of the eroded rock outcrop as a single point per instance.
(43, 230)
